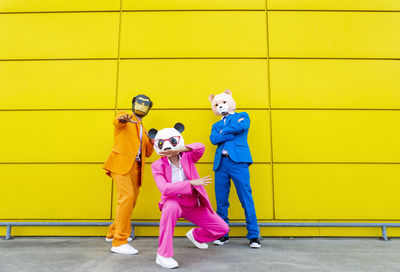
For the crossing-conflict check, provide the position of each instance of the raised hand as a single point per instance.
(126, 118)
(174, 152)
(201, 181)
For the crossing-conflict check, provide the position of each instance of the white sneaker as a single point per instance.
(255, 243)
(129, 239)
(221, 241)
(190, 236)
(167, 262)
(125, 249)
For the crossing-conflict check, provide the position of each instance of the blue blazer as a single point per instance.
(232, 136)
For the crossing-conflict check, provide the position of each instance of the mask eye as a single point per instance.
(174, 141)
(160, 143)
(224, 102)
(216, 105)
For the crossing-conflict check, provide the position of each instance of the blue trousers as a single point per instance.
(239, 173)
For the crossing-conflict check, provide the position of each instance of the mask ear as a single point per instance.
(152, 133)
(228, 92)
(210, 97)
(179, 127)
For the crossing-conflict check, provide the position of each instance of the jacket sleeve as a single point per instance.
(148, 146)
(116, 121)
(218, 138)
(170, 189)
(197, 151)
(238, 127)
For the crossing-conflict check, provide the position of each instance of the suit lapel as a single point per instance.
(185, 165)
(168, 171)
(186, 169)
(228, 119)
(220, 124)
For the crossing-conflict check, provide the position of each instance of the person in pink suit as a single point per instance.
(182, 193)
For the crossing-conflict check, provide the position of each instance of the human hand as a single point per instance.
(201, 181)
(174, 152)
(126, 118)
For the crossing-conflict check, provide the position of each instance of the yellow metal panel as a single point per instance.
(336, 136)
(285, 231)
(334, 5)
(291, 232)
(261, 182)
(58, 84)
(55, 136)
(366, 232)
(181, 231)
(192, 4)
(58, 5)
(337, 191)
(334, 34)
(198, 129)
(188, 83)
(58, 231)
(193, 34)
(59, 35)
(335, 83)
(54, 191)
(351, 232)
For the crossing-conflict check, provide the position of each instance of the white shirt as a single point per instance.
(141, 139)
(177, 173)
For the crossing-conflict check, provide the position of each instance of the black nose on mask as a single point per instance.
(167, 148)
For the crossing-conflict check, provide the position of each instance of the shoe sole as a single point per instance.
(165, 266)
(110, 240)
(221, 244)
(255, 246)
(124, 253)
(194, 243)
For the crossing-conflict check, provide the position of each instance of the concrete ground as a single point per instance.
(277, 254)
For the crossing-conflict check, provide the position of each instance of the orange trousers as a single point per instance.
(127, 192)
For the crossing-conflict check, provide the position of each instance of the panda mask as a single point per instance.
(167, 138)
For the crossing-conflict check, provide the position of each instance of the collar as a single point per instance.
(171, 164)
(231, 113)
(137, 117)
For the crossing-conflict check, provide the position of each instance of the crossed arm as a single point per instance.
(227, 133)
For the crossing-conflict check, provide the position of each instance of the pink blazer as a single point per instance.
(163, 175)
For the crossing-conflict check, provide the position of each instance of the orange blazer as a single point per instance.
(126, 146)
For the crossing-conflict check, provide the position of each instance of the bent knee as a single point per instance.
(224, 229)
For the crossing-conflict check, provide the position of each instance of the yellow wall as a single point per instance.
(320, 80)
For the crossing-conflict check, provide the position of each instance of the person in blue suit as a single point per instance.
(231, 162)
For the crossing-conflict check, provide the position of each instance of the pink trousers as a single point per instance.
(211, 226)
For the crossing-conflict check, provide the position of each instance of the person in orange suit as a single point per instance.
(125, 165)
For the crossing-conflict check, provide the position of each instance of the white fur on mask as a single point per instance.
(165, 135)
(222, 103)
